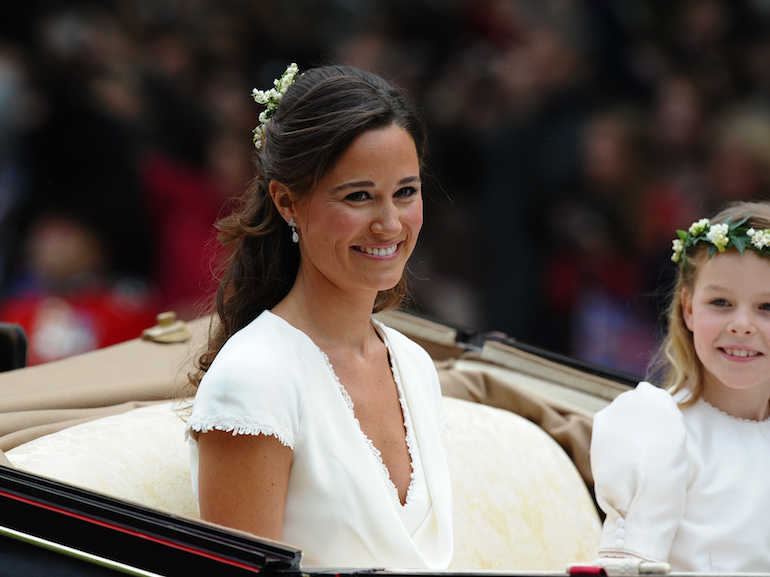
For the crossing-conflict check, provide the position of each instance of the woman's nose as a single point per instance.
(387, 220)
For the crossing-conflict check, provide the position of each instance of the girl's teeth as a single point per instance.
(740, 353)
(379, 251)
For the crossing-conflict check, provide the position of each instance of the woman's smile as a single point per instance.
(374, 251)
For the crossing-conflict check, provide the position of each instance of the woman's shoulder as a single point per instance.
(268, 343)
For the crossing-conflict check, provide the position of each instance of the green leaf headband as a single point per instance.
(271, 98)
(721, 237)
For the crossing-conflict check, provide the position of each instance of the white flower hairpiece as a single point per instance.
(759, 238)
(721, 237)
(271, 99)
(717, 235)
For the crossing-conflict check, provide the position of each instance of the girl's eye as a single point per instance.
(719, 302)
(765, 306)
(406, 192)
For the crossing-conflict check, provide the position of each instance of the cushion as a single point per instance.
(138, 456)
(519, 502)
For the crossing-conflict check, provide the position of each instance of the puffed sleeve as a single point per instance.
(640, 467)
(253, 387)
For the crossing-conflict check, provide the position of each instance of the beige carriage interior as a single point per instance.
(517, 436)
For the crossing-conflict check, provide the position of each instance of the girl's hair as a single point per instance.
(676, 361)
(317, 119)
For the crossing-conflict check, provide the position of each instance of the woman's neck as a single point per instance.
(331, 318)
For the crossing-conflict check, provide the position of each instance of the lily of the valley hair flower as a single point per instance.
(271, 99)
(759, 238)
(697, 228)
(720, 236)
(717, 234)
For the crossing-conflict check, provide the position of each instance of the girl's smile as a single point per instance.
(736, 353)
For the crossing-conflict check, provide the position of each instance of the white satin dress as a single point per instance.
(342, 509)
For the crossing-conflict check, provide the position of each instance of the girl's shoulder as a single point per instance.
(644, 397)
(641, 415)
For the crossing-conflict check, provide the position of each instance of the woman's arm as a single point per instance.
(243, 481)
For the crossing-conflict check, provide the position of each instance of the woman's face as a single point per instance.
(359, 225)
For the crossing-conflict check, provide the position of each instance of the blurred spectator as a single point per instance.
(67, 299)
(183, 204)
(13, 117)
(739, 167)
(545, 205)
(527, 159)
(594, 275)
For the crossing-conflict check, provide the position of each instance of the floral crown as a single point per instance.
(722, 236)
(271, 98)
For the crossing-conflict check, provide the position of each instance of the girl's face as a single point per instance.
(728, 313)
(359, 224)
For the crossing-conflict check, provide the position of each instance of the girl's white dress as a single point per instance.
(342, 509)
(690, 487)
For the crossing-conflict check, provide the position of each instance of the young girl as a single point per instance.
(682, 471)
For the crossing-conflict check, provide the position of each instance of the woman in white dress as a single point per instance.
(682, 471)
(312, 423)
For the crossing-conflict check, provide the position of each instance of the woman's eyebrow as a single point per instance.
(355, 184)
(370, 184)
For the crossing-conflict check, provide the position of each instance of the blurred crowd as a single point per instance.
(568, 140)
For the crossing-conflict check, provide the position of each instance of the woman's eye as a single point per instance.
(357, 196)
(406, 192)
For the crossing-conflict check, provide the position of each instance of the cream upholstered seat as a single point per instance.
(519, 502)
(138, 456)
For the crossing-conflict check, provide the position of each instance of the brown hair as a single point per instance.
(676, 361)
(318, 118)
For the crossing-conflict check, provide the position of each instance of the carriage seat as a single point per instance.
(519, 502)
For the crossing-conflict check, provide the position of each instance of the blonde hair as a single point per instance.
(676, 362)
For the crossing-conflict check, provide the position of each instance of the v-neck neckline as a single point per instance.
(417, 481)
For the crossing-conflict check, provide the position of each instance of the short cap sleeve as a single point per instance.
(640, 467)
(254, 386)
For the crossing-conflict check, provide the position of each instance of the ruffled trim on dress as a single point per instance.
(237, 425)
(416, 489)
(416, 485)
(685, 394)
(733, 417)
